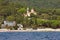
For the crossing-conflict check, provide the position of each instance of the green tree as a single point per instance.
(21, 12)
(58, 17)
(33, 19)
(44, 16)
(10, 18)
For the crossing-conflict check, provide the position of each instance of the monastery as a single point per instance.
(30, 12)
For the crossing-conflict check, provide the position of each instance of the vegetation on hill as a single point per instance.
(48, 12)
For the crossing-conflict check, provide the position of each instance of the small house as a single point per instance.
(8, 23)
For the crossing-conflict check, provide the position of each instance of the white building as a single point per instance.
(20, 26)
(29, 12)
(8, 23)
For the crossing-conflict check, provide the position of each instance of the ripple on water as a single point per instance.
(30, 36)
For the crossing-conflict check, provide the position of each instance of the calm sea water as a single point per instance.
(30, 36)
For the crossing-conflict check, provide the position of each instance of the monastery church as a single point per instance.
(30, 11)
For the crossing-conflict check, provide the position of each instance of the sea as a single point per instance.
(29, 35)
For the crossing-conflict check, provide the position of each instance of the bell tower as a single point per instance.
(27, 10)
(28, 13)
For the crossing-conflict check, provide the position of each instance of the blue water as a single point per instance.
(30, 36)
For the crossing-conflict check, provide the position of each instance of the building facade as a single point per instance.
(30, 12)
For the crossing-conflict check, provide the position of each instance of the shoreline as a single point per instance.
(38, 30)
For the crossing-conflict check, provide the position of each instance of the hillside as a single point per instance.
(48, 13)
(39, 3)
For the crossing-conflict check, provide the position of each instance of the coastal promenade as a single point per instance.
(28, 30)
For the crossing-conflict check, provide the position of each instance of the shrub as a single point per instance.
(55, 23)
(49, 23)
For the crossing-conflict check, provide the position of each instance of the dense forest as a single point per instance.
(39, 3)
(49, 10)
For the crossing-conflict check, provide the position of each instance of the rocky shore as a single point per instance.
(28, 30)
